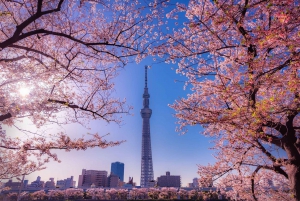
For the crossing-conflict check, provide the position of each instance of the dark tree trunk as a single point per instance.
(291, 148)
(294, 178)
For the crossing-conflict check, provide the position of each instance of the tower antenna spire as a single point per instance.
(146, 68)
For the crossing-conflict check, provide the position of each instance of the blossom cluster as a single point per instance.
(164, 193)
(58, 62)
(241, 60)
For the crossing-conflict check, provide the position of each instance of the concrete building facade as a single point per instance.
(89, 177)
(113, 181)
(168, 180)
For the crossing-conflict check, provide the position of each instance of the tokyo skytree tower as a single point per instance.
(146, 163)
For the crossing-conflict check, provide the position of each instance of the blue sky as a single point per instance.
(171, 151)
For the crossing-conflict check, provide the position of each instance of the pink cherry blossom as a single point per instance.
(241, 60)
(58, 60)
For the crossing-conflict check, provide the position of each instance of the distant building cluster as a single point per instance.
(87, 179)
(100, 179)
(38, 184)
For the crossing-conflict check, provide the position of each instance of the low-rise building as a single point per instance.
(195, 182)
(12, 185)
(65, 183)
(37, 184)
(89, 177)
(169, 180)
(50, 184)
(113, 180)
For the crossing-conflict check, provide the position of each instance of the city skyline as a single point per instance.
(166, 180)
(172, 151)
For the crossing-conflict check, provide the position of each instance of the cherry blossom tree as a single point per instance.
(241, 59)
(143, 193)
(26, 196)
(195, 195)
(95, 193)
(122, 194)
(268, 186)
(12, 196)
(39, 195)
(139, 193)
(183, 194)
(168, 193)
(58, 60)
(56, 194)
(73, 193)
(153, 193)
(111, 194)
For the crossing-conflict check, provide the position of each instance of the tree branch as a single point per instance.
(5, 116)
(277, 126)
(268, 154)
(278, 68)
(23, 25)
(38, 52)
(252, 181)
(274, 140)
(276, 166)
(94, 113)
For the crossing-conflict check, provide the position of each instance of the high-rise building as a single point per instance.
(117, 168)
(146, 161)
(89, 177)
(168, 180)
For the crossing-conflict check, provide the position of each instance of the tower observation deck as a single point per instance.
(146, 163)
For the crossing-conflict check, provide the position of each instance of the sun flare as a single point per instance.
(24, 91)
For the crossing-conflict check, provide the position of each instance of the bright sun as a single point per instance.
(24, 91)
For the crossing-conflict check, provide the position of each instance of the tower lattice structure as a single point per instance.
(146, 163)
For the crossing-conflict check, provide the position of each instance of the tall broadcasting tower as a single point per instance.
(146, 166)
